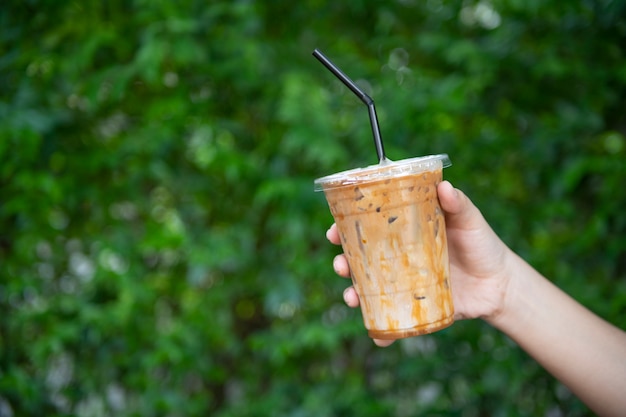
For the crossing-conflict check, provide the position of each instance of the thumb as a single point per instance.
(460, 212)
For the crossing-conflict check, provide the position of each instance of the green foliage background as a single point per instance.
(162, 251)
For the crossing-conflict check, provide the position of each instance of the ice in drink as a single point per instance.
(393, 234)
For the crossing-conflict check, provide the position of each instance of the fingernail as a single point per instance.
(335, 264)
(344, 294)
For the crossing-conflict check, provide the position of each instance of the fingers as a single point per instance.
(350, 297)
(333, 235)
(340, 263)
(383, 343)
(341, 267)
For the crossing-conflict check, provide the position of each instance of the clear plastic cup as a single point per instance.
(393, 234)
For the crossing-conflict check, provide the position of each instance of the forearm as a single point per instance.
(583, 351)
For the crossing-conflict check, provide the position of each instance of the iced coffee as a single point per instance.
(393, 234)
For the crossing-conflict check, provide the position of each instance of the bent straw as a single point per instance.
(378, 141)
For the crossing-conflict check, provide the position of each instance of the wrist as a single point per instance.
(514, 287)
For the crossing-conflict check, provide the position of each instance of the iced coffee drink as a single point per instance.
(393, 234)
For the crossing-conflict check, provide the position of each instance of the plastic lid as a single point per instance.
(383, 170)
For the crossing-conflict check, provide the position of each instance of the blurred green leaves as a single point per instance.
(162, 251)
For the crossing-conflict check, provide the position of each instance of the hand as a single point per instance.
(478, 260)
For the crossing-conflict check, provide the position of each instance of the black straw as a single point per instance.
(378, 141)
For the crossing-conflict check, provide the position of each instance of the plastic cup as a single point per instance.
(393, 234)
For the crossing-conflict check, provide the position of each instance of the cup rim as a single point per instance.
(381, 171)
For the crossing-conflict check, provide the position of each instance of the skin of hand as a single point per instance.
(477, 260)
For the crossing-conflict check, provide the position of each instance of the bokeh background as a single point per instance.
(162, 251)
